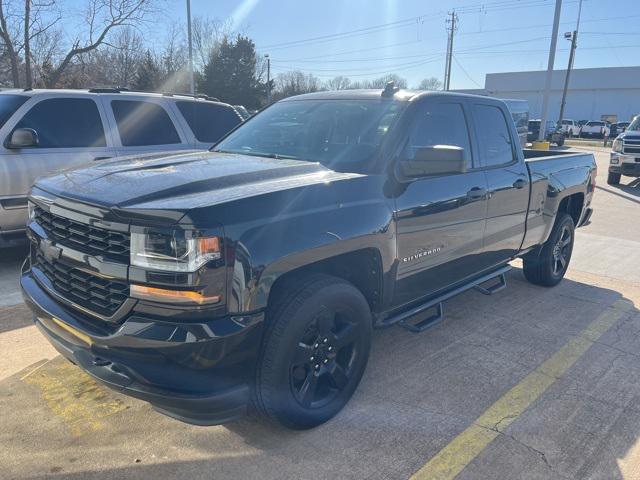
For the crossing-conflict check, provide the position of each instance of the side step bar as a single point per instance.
(416, 319)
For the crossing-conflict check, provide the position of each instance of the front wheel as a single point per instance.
(314, 352)
(550, 265)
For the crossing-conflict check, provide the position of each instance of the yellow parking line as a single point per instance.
(453, 458)
(76, 398)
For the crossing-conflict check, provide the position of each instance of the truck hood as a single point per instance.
(183, 180)
(634, 135)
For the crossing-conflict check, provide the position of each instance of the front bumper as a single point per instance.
(199, 373)
(627, 165)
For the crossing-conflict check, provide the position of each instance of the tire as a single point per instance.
(550, 265)
(314, 351)
(613, 178)
(561, 142)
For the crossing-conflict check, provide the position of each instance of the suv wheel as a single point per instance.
(314, 352)
(613, 178)
(550, 265)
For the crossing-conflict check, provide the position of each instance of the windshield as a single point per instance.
(9, 104)
(344, 135)
(635, 125)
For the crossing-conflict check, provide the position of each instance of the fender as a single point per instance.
(346, 216)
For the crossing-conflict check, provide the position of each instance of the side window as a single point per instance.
(143, 123)
(440, 124)
(65, 123)
(209, 122)
(494, 137)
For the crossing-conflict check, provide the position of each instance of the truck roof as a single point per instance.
(372, 94)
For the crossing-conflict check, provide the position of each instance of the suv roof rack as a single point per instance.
(108, 90)
(192, 95)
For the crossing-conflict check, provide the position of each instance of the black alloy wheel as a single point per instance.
(315, 350)
(323, 362)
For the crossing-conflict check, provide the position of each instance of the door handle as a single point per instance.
(520, 183)
(95, 159)
(477, 193)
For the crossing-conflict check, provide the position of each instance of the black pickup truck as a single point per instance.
(253, 274)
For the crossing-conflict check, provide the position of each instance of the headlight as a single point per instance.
(180, 252)
(617, 145)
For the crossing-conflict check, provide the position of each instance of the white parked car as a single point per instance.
(594, 129)
(43, 131)
(570, 127)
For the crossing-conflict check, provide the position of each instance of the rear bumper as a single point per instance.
(198, 373)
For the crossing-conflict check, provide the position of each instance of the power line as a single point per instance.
(350, 33)
(466, 73)
(474, 8)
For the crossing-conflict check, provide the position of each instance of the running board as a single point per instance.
(407, 319)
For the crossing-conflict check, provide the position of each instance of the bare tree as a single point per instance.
(207, 35)
(23, 24)
(296, 83)
(102, 16)
(431, 83)
(338, 83)
(8, 36)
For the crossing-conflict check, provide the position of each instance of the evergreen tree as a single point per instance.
(149, 74)
(231, 74)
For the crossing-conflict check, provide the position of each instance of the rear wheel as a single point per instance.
(550, 265)
(613, 178)
(315, 351)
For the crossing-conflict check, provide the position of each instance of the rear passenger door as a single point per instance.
(208, 121)
(70, 132)
(507, 180)
(143, 125)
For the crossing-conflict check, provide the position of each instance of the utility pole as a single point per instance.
(192, 83)
(573, 36)
(451, 29)
(268, 78)
(547, 85)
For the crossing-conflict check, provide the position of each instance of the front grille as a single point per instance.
(86, 238)
(94, 293)
(631, 146)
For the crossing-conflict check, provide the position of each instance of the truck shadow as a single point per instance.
(419, 392)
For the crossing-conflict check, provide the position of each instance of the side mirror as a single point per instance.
(434, 160)
(22, 138)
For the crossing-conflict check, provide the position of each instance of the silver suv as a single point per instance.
(43, 131)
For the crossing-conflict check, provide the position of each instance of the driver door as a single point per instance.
(440, 220)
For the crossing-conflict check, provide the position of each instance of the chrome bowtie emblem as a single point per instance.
(49, 250)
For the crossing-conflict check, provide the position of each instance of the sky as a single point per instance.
(369, 38)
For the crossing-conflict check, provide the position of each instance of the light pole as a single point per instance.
(573, 36)
(266, 55)
(547, 83)
(192, 83)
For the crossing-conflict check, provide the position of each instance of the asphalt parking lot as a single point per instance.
(531, 383)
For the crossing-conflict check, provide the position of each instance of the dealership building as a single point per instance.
(593, 92)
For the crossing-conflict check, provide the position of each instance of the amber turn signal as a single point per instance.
(172, 296)
(208, 245)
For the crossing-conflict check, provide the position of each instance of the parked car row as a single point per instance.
(554, 134)
(568, 128)
(44, 131)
